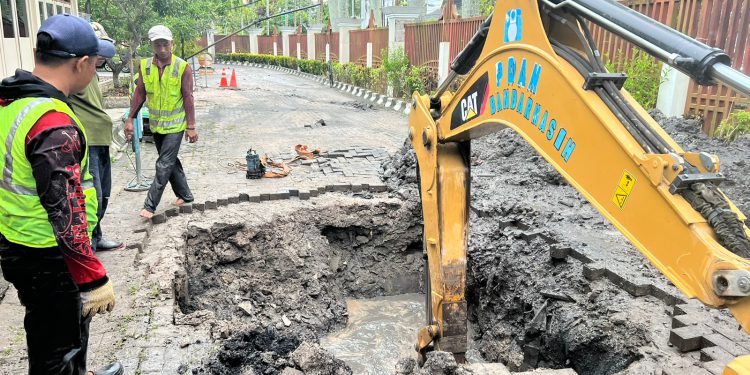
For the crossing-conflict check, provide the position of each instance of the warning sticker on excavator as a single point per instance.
(624, 188)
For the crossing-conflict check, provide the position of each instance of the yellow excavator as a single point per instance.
(533, 67)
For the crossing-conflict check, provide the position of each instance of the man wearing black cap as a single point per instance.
(49, 202)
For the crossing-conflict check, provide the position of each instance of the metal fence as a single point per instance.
(302, 40)
(241, 43)
(422, 40)
(723, 23)
(358, 40)
(320, 46)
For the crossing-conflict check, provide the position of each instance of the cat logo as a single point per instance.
(469, 107)
(472, 104)
(513, 26)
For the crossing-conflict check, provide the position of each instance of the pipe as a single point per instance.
(674, 48)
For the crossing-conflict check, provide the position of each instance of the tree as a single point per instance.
(126, 21)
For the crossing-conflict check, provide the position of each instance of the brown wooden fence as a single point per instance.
(422, 40)
(302, 40)
(265, 44)
(320, 46)
(358, 40)
(723, 24)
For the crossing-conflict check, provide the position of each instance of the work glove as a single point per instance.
(99, 300)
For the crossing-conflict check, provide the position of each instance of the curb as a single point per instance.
(286, 193)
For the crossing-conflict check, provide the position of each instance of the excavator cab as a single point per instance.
(533, 67)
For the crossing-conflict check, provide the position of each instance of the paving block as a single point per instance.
(690, 338)
(730, 346)
(222, 202)
(211, 205)
(255, 198)
(303, 194)
(715, 353)
(234, 200)
(159, 218)
(342, 186)
(172, 212)
(186, 209)
(680, 321)
(314, 192)
(281, 194)
(378, 187)
(243, 197)
(593, 271)
(330, 187)
(199, 206)
(558, 252)
(265, 197)
(293, 192)
(356, 188)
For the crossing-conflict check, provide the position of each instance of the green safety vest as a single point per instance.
(24, 219)
(165, 105)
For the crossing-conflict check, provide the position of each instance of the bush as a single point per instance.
(644, 76)
(734, 126)
(396, 66)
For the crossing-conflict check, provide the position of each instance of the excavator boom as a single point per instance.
(532, 67)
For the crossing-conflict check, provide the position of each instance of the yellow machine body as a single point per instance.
(519, 82)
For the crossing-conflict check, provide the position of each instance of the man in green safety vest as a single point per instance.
(167, 82)
(48, 201)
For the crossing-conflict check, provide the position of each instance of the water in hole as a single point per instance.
(379, 331)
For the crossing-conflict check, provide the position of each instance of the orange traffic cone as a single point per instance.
(223, 82)
(233, 81)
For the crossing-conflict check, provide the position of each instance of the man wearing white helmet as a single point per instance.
(167, 82)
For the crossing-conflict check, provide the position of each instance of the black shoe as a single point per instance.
(113, 369)
(105, 245)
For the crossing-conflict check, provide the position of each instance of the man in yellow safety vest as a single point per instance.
(167, 82)
(48, 201)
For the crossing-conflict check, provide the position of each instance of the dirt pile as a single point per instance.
(530, 309)
(270, 287)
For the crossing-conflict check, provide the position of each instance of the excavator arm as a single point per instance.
(532, 67)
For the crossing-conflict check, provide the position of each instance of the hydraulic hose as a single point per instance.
(704, 197)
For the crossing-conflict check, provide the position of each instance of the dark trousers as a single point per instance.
(56, 333)
(100, 168)
(168, 169)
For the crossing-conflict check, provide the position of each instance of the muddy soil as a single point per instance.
(530, 311)
(271, 287)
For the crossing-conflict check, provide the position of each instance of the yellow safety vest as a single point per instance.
(24, 219)
(165, 104)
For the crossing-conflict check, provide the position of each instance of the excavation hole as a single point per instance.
(273, 286)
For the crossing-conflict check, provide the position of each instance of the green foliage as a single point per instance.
(486, 7)
(396, 66)
(734, 126)
(415, 80)
(644, 76)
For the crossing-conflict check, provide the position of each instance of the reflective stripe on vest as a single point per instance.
(165, 102)
(25, 221)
